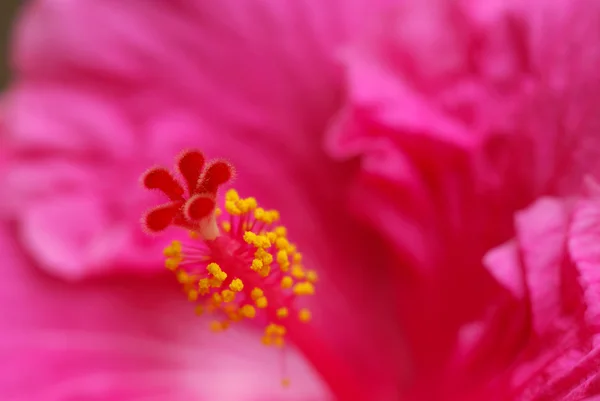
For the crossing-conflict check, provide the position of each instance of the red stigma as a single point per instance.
(201, 184)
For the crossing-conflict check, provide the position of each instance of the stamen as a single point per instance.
(238, 264)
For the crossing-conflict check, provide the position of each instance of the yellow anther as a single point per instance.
(236, 285)
(217, 326)
(304, 288)
(261, 302)
(297, 258)
(226, 226)
(287, 282)
(264, 272)
(203, 286)
(281, 231)
(257, 264)
(199, 310)
(215, 282)
(232, 195)
(282, 259)
(275, 330)
(263, 242)
(263, 255)
(259, 213)
(216, 271)
(248, 311)
(271, 236)
(298, 272)
(282, 243)
(218, 211)
(228, 295)
(183, 277)
(275, 215)
(271, 329)
(174, 249)
(172, 263)
(312, 276)
(252, 204)
(217, 298)
(256, 293)
(282, 313)
(304, 315)
(232, 209)
(241, 205)
(192, 295)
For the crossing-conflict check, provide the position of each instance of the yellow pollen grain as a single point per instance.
(218, 211)
(173, 249)
(193, 235)
(287, 282)
(304, 315)
(172, 263)
(236, 285)
(217, 326)
(215, 270)
(232, 209)
(257, 264)
(264, 272)
(199, 310)
(248, 311)
(275, 330)
(298, 272)
(259, 213)
(232, 195)
(282, 313)
(228, 295)
(266, 341)
(278, 341)
(297, 258)
(217, 298)
(304, 288)
(282, 243)
(285, 382)
(226, 226)
(203, 286)
(282, 257)
(252, 203)
(264, 256)
(271, 236)
(192, 295)
(262, 302)
(281, 231)
(256, 293)
(183, 277)
(311, 276)
(215, 282)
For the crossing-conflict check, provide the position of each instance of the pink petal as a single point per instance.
(542, 235)
(583, 247)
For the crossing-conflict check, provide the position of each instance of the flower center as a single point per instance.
(239, 263)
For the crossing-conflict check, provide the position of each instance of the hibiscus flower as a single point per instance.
(104, 90)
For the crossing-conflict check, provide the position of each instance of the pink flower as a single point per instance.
(464, 113)
(104, 90)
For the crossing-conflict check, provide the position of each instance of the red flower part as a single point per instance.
(202, 186)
